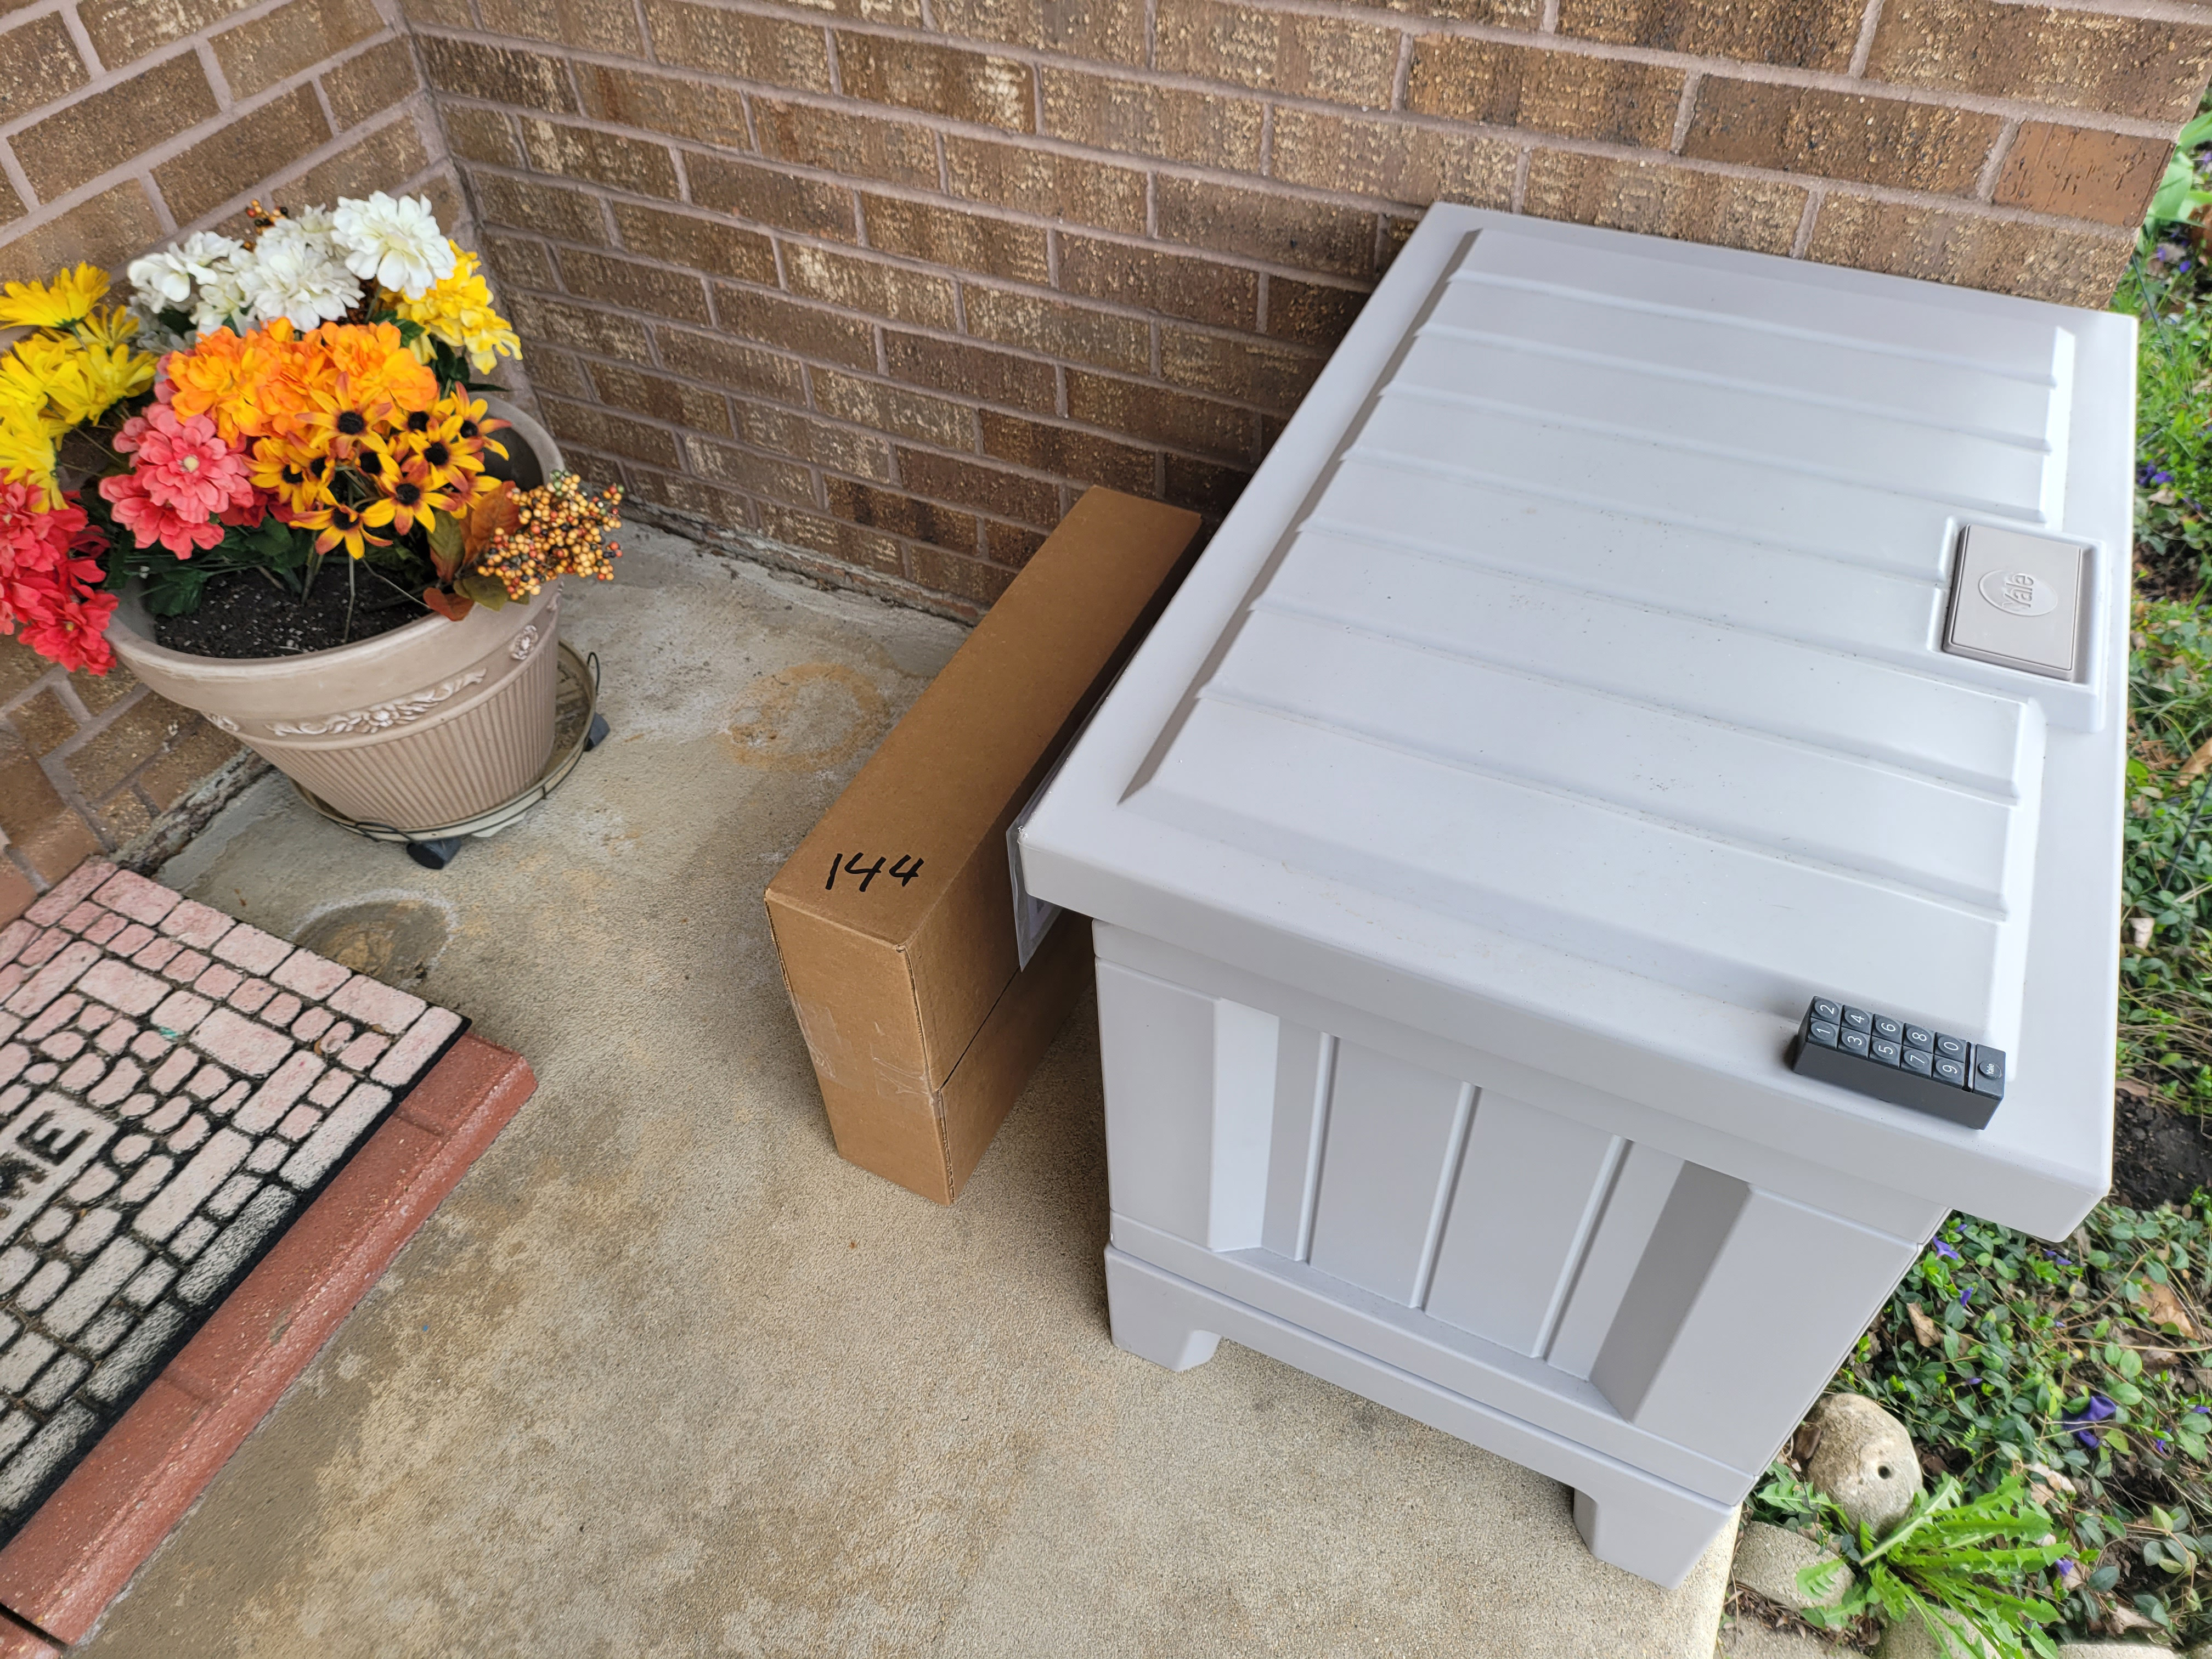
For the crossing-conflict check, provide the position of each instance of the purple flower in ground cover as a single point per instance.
(1946, 1251)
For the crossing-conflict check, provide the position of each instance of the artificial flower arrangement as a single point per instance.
(258, 406)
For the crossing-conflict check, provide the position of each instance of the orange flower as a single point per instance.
(405, 505)
(244, 384)
(370, 357)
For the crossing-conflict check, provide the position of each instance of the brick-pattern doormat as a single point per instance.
(175, 1087)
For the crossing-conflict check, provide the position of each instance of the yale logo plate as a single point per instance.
(2016, 601)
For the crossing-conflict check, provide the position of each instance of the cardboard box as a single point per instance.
(894, 918)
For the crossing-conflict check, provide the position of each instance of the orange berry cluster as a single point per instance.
(561, 532)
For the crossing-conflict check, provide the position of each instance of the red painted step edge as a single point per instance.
(71, 1558)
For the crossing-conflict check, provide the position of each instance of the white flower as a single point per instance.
(170, 273)
(297, 275)
(223, 297)
(397, 244)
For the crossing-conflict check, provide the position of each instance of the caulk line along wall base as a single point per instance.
(1566, 703)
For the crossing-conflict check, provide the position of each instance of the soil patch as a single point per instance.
(246, 615)
(2160, 1156)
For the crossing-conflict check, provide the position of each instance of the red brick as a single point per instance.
(1050, 186)
(732, 366)
(719, 509)
(1146, 120)
(1282, 229)
(660, 397)
(986, 488)
(1275, 377)
(624, 282)
(948, 236)
(970, 372)
(481, 135)
(870, 285)
(894, 409)
(1151, 279)
(968, 579)
(635, 165)
(813, 332)
(236, 157)
(865, 548)
(372, 82)
(1294, 53)
(1815, 34)
(1078, 333)
(723, 41)
(297, 36)
(518, 262)
(1151, 412)
(755, 475)
(615, 435)
(902, 516)
(1010, 544)
(2082, 173)
(16, 893)
(2087, 60)
(69, 891)
(770, 196)
(841, 141)
(1108, 30)
(38, 64)
(1361, 157)
(1654, 198)
(1203, 487)
(1311, 313)
(110, 228)
(80, 141)
(598, 25)
(861, 454)
(581, 328)
(2007, 256)
(1500, 84)
(124, 31)
(708, 245)
(1083, 457)
(698, 109)
(498, 75)
(967, 86)
(1873, 141)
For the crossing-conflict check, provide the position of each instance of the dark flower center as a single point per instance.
(406, 494)
(370, 462)
(419, 421)
(292, 476)
(469, 429)
(437, 454)
(351, 423)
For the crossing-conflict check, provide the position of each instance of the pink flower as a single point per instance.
(183, 476)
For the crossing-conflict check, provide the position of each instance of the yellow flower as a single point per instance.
(457, 311)
(27, 454)
(71, 296)
(63, 383)
(109, 328)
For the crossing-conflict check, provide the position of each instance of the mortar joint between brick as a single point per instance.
(80, 38)
(1684, 112)
(1985, 186)
(644, 33)
(1863, 49)
(212, 68)
(1521, 161)
(829, 50)
(1804, 239)
(1267, 141)
(1402, 76)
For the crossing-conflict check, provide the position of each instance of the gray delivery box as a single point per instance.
(1635, 780)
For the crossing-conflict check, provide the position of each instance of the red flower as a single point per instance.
(46, 590)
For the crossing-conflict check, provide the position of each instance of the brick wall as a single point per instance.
(876, 286)
(887, 281)
(123, 125)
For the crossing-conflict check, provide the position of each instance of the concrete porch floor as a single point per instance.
(667, 1376)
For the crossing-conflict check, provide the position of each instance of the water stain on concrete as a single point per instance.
(807, 718)
(397, 940)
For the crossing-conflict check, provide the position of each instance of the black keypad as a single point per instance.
(1895, 1061)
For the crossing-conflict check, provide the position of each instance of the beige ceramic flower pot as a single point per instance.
(419, 728)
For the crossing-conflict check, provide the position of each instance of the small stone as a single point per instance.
(1768, 1560)
(1864, 1461)
(1911, 1640)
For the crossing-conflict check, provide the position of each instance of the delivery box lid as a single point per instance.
(1583, 646)
(907, 870)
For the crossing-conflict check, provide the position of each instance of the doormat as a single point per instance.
(175, 1086)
